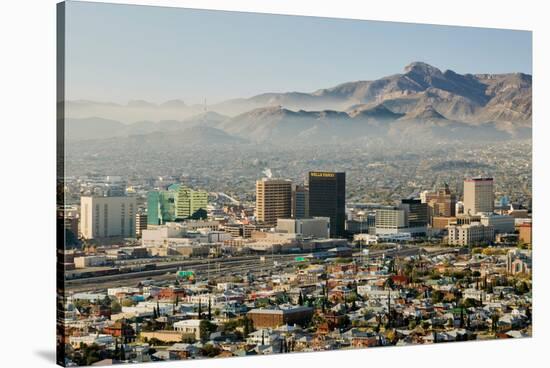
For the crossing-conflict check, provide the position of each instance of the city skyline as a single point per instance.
(371, 185)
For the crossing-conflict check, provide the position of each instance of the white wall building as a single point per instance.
(470, 234)
(98, 339)
(316, 227)
(184, 233)
(189, 326)
(394, 221)
(383, 238)
(89, 261)
(103, 217)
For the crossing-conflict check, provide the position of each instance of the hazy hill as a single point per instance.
(423, 101)
(133, 111)
(469, 98)
(175, 141)
(99, 128)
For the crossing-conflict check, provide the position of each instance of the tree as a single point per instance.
(205, 329)
(90, 354)
(115, 307)
(122, 353)
(246, 326)
(200, 310)
(494, 322)
(522, 288)
(105, 301)
(469, 302)
(437, 296)
(210, 350)
(117, 349)
(389, 284)
(127, 302)
(199, 214)
(300, 299)
(209, 310)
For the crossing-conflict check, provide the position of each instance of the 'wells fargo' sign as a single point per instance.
(322, 174)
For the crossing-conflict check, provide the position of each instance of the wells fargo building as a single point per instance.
(327, 198)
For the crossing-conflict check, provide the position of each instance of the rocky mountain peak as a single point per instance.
(422, 68)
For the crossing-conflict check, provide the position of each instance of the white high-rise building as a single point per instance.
(103, 217)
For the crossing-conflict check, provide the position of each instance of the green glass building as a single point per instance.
(191, 203)
(161, 207)
(177, 202)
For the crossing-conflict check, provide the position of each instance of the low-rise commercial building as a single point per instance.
(189, 327)
(471, 234)
(284, 315)
(89, 261)
(525, 233)
(316, 227)
(501, 223)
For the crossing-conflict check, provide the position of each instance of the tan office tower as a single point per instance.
(273, 200)
(478, 195)
(441, 203)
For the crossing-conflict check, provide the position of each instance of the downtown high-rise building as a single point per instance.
(441, 203)
(327, 198)
(104, 217)
(417, 212)
(478, 195)
(177, 202)
(273, 200)
(190, 203)
(300, 201)
(161, 207)
(391, 220)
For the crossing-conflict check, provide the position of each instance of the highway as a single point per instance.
(205, 268)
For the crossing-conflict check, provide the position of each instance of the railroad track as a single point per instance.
(166, 272)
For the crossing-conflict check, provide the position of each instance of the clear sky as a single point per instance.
(118, 53)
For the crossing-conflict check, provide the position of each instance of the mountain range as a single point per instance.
(423, 101)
